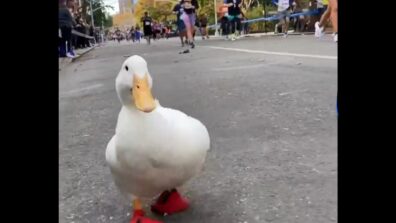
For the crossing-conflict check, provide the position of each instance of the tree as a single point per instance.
(109, 21)
(99, 14)
(141, 7)
(161, 11)
(248, 4)
(206, 7)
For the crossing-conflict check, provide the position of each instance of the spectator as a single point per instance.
(91, 31)
(66, 23)
(300, 21)
(234, 17)
(245, 24)
(224, 26)
(79, 28)
(86, 32)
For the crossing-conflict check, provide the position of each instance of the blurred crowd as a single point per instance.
(74, 31)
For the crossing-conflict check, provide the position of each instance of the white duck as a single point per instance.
(155, 149)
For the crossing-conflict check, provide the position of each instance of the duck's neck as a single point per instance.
(134, 111)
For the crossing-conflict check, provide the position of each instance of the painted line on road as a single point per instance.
(292, 92)
(81, 90)
(276, 53)
(239, 67)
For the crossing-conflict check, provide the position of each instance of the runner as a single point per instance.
(188, 16)
(163, 31)
(147, 21)
(132, 34)
(322, 6)
(118, 34)
(181, 28)
(284, 7)
(138, 34)
(332, 13)
(234, 17)
(203, 26)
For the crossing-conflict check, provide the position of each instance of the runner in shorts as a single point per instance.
(203, 26)
(147, 21)
(332, 13)
(188, 16)
(284, 7)
(181, 28)
(322, 6)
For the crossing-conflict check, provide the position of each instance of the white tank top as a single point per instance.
(283, 5)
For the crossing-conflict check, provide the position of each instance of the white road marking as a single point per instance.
(239, 67)
(276, 53)
(292, 92)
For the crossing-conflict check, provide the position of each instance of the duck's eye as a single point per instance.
(126, 68)
(137, 86)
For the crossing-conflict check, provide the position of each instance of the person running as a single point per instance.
(203, 22)
(181, 28)
(234, 17)
(168, 31)
(118, 34)
(158, 30)
(138, 34)
(147, 29)
(132, 34)
(284, 7)
(322, 6)
(332, 13)
(163, 31)
(188, 16)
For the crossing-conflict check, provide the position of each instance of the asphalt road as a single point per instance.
(269, 104)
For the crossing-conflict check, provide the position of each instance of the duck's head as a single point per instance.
(133, 85)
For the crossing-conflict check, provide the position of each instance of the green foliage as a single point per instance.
(100, 15)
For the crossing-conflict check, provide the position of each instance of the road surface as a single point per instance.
(269, 104)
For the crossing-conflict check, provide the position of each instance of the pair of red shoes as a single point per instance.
(169, 202)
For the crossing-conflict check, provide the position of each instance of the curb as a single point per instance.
(63, 62)
(82, 53)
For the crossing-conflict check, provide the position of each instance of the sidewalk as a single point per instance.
(65, 60)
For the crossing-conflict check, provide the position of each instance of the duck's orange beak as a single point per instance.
(142, 96)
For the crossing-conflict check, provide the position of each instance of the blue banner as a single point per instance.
(277, 17)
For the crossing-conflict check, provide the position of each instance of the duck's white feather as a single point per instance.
(156, 151)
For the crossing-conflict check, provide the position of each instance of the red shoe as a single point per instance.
(170, 203)
(138, 217)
